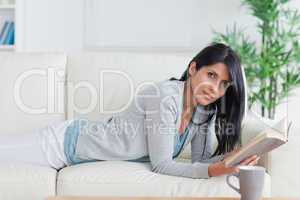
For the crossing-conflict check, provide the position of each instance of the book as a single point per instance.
(3, 30)
(267, 140)
(5, 35)
(9, 39)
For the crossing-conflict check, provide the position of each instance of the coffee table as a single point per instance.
(156, 198)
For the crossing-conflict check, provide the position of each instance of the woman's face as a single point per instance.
(208, 83)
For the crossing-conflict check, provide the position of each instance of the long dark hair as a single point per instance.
(230, 107)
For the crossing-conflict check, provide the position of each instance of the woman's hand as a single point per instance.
(219, 168)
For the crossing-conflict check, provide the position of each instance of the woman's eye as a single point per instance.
(226, 84)
(211, 75)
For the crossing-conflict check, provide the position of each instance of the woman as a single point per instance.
(208, 100)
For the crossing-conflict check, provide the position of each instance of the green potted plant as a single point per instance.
(271, 64)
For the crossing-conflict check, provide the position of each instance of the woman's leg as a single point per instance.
(42, 147)
(52, 142)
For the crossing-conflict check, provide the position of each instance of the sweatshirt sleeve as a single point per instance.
(160, 125)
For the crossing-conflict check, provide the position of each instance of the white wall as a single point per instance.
(49, 25)
(176, 25)
(156, 24)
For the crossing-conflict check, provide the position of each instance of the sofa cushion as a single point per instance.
(121, 178)
(32, 90)
(30, 182)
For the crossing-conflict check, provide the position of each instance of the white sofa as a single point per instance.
(58, 87)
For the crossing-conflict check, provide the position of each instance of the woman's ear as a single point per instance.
(192, 69)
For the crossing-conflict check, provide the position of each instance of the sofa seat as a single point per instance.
(24, 181)
(121, 178)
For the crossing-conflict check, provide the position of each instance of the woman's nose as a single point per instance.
(214, 89)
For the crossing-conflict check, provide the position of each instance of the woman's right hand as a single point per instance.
(219, 168)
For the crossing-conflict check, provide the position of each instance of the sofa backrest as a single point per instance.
(32, 90)
(101, 83)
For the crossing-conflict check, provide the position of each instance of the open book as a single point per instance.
(267, 140)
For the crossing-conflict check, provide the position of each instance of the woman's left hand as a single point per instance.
(252, 160)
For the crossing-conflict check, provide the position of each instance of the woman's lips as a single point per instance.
(207, 96)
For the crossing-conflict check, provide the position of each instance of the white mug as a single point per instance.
(251, 181)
